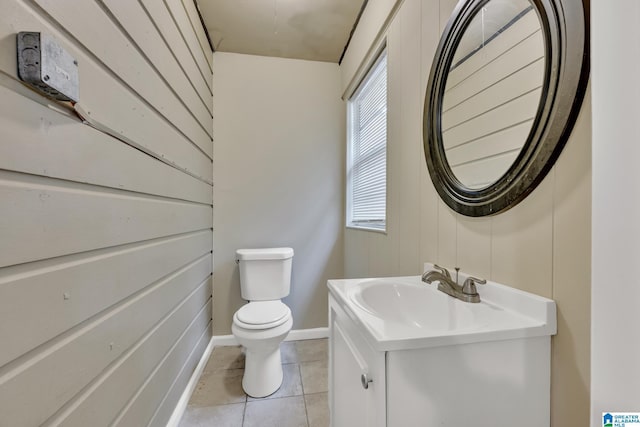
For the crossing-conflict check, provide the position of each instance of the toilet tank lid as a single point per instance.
(264, 254)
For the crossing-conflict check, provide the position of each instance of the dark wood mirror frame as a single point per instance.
(565, 26)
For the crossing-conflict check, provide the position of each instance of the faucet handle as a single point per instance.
(444, 271)
(469, 286)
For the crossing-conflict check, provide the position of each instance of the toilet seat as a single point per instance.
(262, 315)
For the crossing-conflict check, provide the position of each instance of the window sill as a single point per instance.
(365, 228)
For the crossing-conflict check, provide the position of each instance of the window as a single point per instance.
(367, 150)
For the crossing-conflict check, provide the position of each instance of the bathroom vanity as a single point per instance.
(403, 353)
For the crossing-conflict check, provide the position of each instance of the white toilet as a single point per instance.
(262, 324)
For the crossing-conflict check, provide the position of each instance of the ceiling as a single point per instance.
(316, 30)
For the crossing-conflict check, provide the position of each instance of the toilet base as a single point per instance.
(263, 364)
(262, 373)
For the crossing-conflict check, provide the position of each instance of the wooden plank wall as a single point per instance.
(490, 102)
(105, 245)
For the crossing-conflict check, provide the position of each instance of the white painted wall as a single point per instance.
(372, 23)
(278, 176)
(615, 343)
(105, 246)
(542, 245)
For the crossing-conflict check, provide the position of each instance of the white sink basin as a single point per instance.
(399, 313)
(414, 306)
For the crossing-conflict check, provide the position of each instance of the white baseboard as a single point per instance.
(294, 335)
(181, 406)
(225, 340)
(307, 334)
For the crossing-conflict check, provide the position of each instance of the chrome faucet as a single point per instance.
(467, 292)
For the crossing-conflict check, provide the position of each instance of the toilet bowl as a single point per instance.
(263, 366)
(261, 338)
(264, 322)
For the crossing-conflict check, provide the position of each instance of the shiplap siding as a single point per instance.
(105, 237)
(542, 245)
(490, 102)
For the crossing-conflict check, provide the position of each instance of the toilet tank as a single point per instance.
(265, 274)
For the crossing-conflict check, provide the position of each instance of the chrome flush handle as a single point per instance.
(365, 380)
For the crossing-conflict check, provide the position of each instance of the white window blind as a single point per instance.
(367, 154)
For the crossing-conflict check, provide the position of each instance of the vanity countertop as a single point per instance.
(399, 313)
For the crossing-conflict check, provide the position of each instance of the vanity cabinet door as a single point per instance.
(352, 403)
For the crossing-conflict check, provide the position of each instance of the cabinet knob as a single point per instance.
(365, 380)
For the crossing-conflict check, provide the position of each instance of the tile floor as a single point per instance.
(301, 401)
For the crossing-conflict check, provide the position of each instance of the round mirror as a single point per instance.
(492, 91)
(505, 88)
